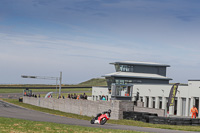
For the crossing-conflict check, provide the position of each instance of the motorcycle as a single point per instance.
(101, 118)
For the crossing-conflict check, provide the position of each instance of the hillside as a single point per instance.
(94, 82)
(88, 83)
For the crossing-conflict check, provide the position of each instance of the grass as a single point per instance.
(50, 111)
(120, 122)
(43, 90)
(94, 82)
(12, 125)
(88, 83)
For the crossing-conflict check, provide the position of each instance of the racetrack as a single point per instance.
(13, 111)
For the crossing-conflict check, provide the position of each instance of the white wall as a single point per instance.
(194, 88)
(158, 90)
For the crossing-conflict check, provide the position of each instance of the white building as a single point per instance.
(150, 81)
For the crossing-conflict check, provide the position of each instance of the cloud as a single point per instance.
(186, 18)
(43, 2)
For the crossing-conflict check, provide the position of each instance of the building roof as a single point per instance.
(194, 80)
(140, 63)
(136, 75)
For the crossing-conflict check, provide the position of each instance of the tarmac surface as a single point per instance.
(14, 111)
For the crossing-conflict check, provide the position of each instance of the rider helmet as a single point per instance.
(109, 111)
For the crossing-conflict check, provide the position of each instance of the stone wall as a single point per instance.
(160, 112)
(89, 108)
(82, 107)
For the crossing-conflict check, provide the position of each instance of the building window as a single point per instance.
(121, 90)
(154, 102)
(117, 68)
(160, 102)
(124, 68)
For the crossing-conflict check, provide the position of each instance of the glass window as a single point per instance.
(121, 82)
(124, 68)
(117, 68)
(117, 81)
(131, 69)
(121, 90)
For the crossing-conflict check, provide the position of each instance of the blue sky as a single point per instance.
(81, 37)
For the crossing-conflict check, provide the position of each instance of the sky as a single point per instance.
(81, 37)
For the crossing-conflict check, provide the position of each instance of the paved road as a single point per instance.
(13, 111)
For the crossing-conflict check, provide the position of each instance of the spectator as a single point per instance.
(78, 97)
(103, 98)
(68, 96)
(81, 96)
(72, 97)
(84, 96)
(75, 96)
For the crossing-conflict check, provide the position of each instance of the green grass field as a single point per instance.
(12, 125)
(120, 122)
(88, 83)
(43, 90)
(94, 82)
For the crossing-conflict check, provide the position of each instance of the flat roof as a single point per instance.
(136, 75)
(140, 63)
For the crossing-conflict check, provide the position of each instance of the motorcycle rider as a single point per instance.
(109, 112)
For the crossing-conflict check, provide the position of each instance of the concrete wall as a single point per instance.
(158, 90)
(82, 107)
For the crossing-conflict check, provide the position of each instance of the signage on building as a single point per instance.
(172, 95)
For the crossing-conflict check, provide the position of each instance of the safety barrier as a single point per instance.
(155, 119)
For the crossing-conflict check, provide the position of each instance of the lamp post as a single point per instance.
(48, 78)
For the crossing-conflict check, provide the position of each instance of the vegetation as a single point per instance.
(43, 90)
(12, 125)
(89, 83)
(94, 82)
(50, 111)
(120, 122)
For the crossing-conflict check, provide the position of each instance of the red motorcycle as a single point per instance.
(101, 118)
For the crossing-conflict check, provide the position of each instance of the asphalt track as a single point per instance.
(14, 111)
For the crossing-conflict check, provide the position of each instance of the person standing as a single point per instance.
(194, 111)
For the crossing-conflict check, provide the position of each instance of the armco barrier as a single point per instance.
(153, 118)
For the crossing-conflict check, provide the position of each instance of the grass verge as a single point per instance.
(120, 122)
(12, 125)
